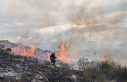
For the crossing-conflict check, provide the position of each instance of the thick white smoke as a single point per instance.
(90, 27)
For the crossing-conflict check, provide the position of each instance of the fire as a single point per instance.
(105, 58)
(63, 53)
(28, 52)
(63, 50)
(47, 58)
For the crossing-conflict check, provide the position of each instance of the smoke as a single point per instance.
(90, 27)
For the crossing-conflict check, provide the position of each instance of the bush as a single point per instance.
(88, 73)
(83, 64)
(103, 71)
(120, 73)
(102, 78)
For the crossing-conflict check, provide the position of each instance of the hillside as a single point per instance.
(19, 49)
(14, 68)
(18, 68)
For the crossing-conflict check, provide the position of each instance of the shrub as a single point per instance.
(88, 73)
(102, 78)
(103, 71)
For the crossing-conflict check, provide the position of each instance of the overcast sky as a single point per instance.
(88, 26)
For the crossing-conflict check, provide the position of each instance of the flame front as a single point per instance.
(29, 52)
(63, 53)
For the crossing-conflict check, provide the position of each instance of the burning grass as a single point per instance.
(63, 54)
(94, 71)
(28, 52)
(100, 71)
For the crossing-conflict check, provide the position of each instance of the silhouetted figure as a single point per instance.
(8, 49)
(53, 58)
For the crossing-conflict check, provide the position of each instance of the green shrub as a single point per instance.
(88, 73)
(102, 78)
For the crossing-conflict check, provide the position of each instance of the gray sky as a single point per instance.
(88, 26)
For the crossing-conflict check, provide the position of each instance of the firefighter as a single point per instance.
(8, 49)
(53, 58)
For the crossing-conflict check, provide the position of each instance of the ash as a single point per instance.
(15, 68)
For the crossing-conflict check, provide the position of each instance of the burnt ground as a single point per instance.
(14, 68)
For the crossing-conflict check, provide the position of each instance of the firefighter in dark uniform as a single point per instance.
(53, 58)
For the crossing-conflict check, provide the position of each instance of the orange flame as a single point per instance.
(105, 58)
(63, 50)
(63, 53)
(29, 52)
